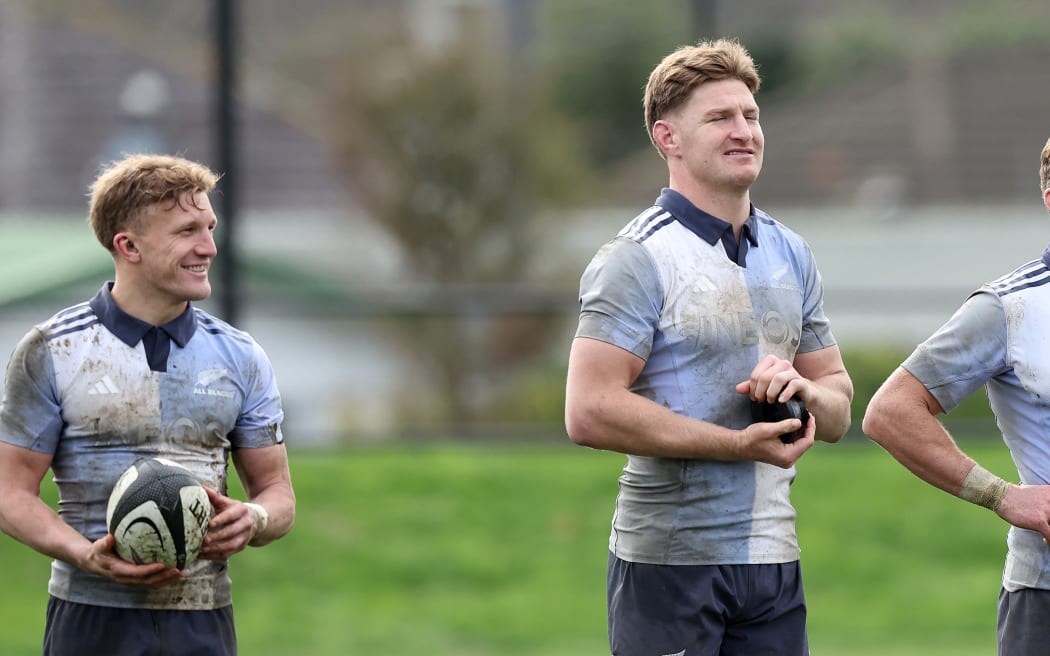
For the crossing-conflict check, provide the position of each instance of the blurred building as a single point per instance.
(914, 179)
(82, 83)
(934, 131)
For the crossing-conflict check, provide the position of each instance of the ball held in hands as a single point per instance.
(158, 512)
(793, 408)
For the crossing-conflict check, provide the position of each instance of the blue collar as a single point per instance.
(710, 228)
(131, 330)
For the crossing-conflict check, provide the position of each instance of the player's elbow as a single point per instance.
(576, 426)
(878, 419)
(582, 425)
(840, 431)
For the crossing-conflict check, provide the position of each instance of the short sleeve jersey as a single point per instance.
(675, 289)
(998, 339)
(80, 386)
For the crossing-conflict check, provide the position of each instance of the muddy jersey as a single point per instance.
(675, 289)
(997, 339)
(99, 389)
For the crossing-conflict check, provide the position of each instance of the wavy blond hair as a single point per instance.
(673, 80)
(124, 189)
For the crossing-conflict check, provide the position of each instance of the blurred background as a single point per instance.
(413, 187)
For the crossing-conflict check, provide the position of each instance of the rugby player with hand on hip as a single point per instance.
(700, 305)
(996, 340)
(138, 371)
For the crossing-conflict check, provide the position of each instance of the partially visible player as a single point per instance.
(700, 304)
(138, 371)
(996, 339)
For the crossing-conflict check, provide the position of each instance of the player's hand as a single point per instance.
(774, 380)
(1028, 506)
(101, 559)
(230, 530)
(761, 442)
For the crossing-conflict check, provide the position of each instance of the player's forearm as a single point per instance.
(277, 507)
(904, 426)
(628, 423)
(267, 481)
(830, 404)
(26, 518)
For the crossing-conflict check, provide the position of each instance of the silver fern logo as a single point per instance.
(208, 377)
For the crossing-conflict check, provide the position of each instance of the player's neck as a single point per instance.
(152, 308)
(731, 205)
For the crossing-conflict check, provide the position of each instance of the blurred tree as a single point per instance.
(704, 14)
(777, 61)
(599, 80)
(456, 163)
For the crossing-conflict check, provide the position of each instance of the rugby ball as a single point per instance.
(158, 512)
(793, 408)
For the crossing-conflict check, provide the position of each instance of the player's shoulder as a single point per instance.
(631, 247)
(646, 224)
(215, 328)
(1029, 276)
(767, 225)
(75, 319)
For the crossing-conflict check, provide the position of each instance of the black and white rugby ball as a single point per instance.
(158, 512)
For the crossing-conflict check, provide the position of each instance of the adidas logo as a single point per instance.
(104, 386)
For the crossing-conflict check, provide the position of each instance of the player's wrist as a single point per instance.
(261, 519)
(983, 488)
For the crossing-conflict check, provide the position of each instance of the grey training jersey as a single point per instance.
(998, 339)
(666, 290)
(80, 386)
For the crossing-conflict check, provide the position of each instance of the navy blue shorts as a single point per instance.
(1022, 627)
(706, 610)
(76, 629)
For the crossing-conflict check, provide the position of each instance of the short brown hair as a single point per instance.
(1044, 167)
(125, 188)
(674, 78)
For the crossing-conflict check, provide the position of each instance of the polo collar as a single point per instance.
(709, 228)
(131, 330)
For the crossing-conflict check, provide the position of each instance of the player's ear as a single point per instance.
(664, 136)
(125, 247)
(1046, 198)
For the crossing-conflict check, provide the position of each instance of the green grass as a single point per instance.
(500, 551)
(892, 565)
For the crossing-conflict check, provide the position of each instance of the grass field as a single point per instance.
(500, 551)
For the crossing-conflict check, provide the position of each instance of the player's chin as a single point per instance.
(746, 175)
(197, 292)
(740, 180)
